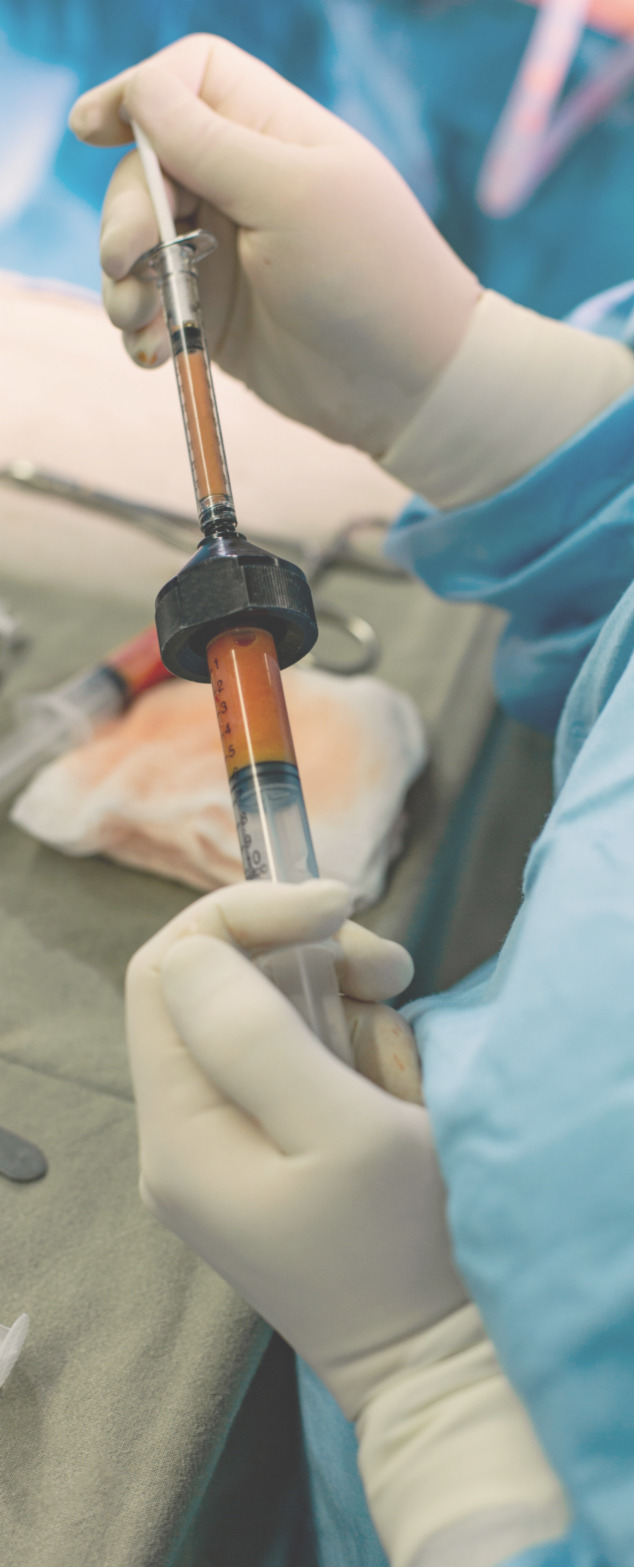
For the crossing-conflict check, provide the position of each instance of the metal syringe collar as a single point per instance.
(197, 244)
(230, 583)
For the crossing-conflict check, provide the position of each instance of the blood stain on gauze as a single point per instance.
(150, 790)
(337, 753)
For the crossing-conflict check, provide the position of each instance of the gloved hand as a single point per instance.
(317, 1195)
(332, 295)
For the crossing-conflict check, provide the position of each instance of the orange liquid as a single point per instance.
(139, 663)
(250, 702)
(202, 432)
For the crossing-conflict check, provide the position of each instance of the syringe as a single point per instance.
(270, 813)
(235, 615)
(49, 722)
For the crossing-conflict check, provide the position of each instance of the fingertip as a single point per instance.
(85, 123)
(329, 890)
(397, 973)
(95, 115)
(126, 235)
(403, 966)
(372, 968)
(149, 348)
(132, 304)
(98, 121)
(114, 261)
(83, 119)
(258, 915)
(323, 891)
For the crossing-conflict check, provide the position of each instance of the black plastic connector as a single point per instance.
(231, 582)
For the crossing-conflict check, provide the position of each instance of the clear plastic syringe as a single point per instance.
(270, 813)
(173, 265)
(241, 656)
(50, 722)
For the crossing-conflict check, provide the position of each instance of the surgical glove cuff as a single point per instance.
(448, 1458)
(519, 386)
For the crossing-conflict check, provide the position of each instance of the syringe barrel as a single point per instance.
(269, 808)
(52, 721)
(273, 830)
(174, 267)
(268, 802)
(270, 813)
(307, 976)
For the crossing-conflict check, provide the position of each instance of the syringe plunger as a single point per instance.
(173, 266)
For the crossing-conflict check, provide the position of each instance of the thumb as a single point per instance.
(255, 1048)
(384, 1049)
(241, 171)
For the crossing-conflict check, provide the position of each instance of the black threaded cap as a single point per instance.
(230, 582)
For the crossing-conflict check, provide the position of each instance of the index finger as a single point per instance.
(230, 81)
(252, 916)
(96, 116)
(258, 916)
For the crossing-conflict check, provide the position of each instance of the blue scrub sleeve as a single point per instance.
(555, 550)
(529, 1077)
(345, 1535)
(570, 1552)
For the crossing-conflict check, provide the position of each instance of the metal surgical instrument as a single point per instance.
(179, 530)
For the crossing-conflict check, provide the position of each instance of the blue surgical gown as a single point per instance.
(529, 1064)
(425, 82)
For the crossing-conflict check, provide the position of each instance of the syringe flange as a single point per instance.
(230, 582)
(199, 243)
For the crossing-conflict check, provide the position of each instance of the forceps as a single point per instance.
(177, 529)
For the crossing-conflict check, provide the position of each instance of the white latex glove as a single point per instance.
(332, 295)
(317, 1195)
